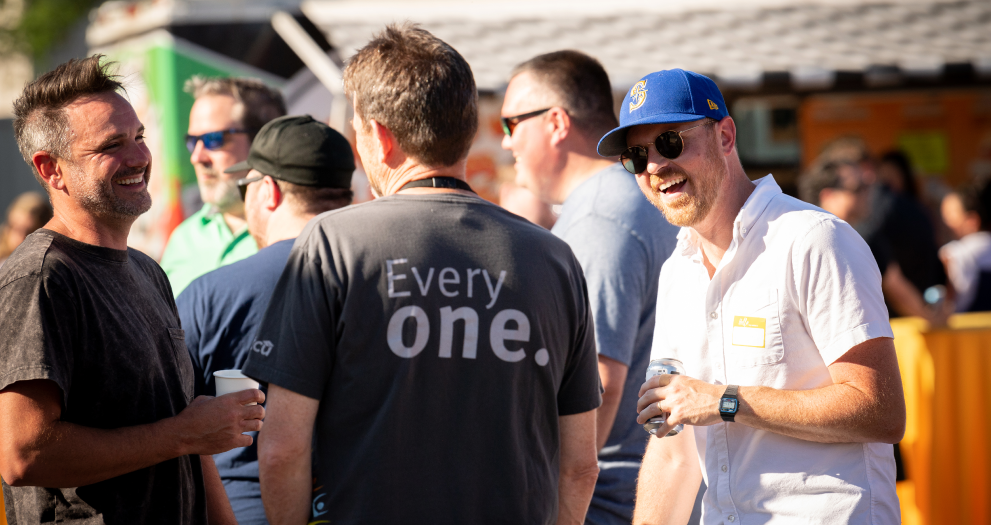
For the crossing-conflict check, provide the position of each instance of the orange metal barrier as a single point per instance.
(946, 374)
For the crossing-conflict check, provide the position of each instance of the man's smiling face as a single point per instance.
(684, 188)
(109, 165)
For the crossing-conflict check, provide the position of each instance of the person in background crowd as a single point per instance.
(899, 225)
(97, 418)
(226, 116)
(839, 188)
(299, 169)
(27, 213)
(556, 107)
(440, 347)
(968, 259)
(756, 272)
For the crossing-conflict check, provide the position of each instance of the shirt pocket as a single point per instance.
(184, 365)
(755, 333)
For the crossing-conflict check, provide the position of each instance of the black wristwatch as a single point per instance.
(729, 404)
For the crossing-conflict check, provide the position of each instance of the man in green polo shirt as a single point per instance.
(226, 115)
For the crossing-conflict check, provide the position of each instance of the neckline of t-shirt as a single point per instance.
(108, 254)
(439, 196)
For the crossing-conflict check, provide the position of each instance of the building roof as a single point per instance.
(738, 43)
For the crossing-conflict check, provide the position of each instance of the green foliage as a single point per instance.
(44, 23)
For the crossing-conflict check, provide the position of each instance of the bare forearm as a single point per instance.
(612, 373)
(72, 455)
(37, 448)
(833, 414)
(605, 418)
(286, 488)
(285, 455)
(574, 494)
(579, 467)
(218, 506)
(668, 482)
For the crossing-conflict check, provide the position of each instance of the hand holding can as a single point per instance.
(655, 368)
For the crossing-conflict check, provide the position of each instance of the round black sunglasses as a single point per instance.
(669, 144)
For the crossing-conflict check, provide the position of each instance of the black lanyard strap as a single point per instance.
(450, 183)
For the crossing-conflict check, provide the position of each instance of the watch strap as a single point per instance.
(730, 393)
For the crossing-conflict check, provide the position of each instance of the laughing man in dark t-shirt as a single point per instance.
(299, 169)
(440, 347)
(97, 418)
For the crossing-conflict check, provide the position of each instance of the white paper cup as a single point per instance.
(228, 381)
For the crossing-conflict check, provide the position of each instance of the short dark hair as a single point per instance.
(974, 198)
(256, 103)
(820, 177)
(418, 87)
(314, 199)
(581, 82)
(40, 119)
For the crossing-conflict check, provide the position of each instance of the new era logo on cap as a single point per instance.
(675, 95)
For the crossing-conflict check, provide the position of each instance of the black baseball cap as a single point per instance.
(302, 151)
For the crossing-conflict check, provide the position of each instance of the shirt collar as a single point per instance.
(766, 189)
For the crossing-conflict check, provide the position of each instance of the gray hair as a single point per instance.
(256, 103)
(40, 119)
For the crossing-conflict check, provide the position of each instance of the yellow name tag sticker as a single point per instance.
(748, 331)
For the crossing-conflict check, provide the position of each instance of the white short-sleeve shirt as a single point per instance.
(797, 288)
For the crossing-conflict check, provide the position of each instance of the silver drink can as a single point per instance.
(656, 368)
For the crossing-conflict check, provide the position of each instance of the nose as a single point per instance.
(199, 155)
(139, 156)
(507, 142)
(655, 161)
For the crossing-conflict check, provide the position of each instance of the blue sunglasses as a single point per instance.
(211, 141)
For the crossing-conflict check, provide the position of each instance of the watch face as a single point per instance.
(727, 405)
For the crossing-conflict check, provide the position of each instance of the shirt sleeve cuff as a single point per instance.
(279, 378)
(842, 343)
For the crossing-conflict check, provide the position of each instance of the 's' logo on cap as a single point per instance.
(638, 94)
(712, 105)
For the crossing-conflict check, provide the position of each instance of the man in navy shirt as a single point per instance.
(299, 169)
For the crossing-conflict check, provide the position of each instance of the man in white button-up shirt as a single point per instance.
(792, 394)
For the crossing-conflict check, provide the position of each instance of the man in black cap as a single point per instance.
(299, 169)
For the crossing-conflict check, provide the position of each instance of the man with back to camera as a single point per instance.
(792, 393)
(556, 108)
(440, 347)
(96, 386)
(299, 169)
(226, 116)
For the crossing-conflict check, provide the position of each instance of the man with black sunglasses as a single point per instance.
(792, 394)
(226, 116)
(604, 221)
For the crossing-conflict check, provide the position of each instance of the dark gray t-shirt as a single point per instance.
(443, 336)
(102, 325)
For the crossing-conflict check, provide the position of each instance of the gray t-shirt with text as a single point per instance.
(444, 337)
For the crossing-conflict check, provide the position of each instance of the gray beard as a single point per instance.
(100, 199)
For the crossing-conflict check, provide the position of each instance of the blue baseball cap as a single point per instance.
(664, 97)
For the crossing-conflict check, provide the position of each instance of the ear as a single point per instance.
(726, 130)
(559, 124)
(271, 194)
(49, 169)
(385, 143)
